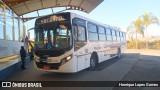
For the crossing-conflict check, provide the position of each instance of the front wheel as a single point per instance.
(93, 63)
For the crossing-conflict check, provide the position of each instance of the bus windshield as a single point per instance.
(53, 36)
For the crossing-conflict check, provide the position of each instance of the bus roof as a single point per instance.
(95, 22)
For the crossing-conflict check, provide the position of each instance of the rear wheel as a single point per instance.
(93, 62)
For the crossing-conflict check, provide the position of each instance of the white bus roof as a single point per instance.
(98, 23)
(89, 20)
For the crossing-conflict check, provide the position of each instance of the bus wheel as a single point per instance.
(119, 53)
(93, 62)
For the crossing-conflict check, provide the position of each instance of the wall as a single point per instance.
(8, 48)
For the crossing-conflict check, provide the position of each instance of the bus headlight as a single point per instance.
(66, 59)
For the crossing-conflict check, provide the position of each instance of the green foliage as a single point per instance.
(136, 27)
(141, 44)
(149, 18)
(154, 45)
(140, 26)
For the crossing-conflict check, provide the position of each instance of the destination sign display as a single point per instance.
(53, 18)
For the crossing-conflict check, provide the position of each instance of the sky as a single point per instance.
(119, 13)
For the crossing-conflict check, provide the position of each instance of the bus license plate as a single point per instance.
(46, 67)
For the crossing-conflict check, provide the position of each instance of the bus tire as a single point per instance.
(119, 53)
(93, 62)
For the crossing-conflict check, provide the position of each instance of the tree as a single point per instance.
(147, 20)
(135, 28)
(130, 32)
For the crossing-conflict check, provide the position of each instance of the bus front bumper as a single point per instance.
(68, 67)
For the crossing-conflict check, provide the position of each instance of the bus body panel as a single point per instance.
(83, 58)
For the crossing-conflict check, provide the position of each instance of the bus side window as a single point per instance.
(81, 33)
(109, 34)
(124, 37)
(75, 32)
(114, 35)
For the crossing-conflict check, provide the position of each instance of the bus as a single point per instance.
(67, 42)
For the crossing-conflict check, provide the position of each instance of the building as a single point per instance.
(12, 32)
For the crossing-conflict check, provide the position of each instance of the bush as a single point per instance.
(142, 44)
(131, 44)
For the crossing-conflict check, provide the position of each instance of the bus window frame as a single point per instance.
(118, 35)
(114, 35)
(92, 31)
(77, 39)
(124, 36)
(101, 33)
(109, 34)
